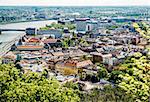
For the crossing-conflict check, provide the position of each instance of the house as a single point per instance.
(102, 58)
(84, 64)
(76, 53)
(67, 35)
(78, 64)
(10, 57)
(135, 40)
(118, 47)
(65, 21)
(57, 56)
(91, 25)
(31, 31)
(94, 35)
(33, 40)
(71, 63)
(55, 33)
(31, 44)
(66, 30)
(81, 24)
(29, 47)
(143, 42)
(52, 43)
(88, 49)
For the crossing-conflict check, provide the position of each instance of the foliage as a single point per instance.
(83, 42)
(59, 26)
(133, 76)
(16, 86)
(108, 94)
(72, 85)
(74, 35)
(67, 43)
(102, 73)
(143, 29)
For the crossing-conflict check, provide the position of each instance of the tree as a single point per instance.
(143, 29)
(134, 78)
(102, 73)
(108, 94)
(16, 86)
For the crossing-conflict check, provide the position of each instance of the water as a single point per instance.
(10, 35)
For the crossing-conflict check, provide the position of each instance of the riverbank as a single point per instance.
(3, 23)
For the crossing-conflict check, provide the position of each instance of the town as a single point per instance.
(74, 54)
(75, 49)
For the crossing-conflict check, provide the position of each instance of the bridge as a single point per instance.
(1, 30)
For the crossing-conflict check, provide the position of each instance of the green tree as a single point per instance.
(16, 86)
(133, 76)
(102, 73)
(108, 94)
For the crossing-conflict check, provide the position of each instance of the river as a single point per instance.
(8, 36)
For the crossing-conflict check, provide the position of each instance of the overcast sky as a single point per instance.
(75, 2)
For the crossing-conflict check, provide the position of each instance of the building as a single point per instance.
(102, 58)
(29, 48)
(78, 64)
(55, 33)
(31, 31)
(10, 57)
(52, 43)
(81, 24)
(91, 25)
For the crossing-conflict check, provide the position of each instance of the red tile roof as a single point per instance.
(33, 40)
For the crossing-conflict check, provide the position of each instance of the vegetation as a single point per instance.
(67, 42)
(83, 42)
(16, 86)
(131, 83)
(133, 76)
(143, 28)
(59, 26)
(102, 73)
(108, 94)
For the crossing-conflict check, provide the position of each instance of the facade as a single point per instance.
(102, 58)
(81, 24)
(31, 31)
(91, 25)
(51, 32)
(52, 43)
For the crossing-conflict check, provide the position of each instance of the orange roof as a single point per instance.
(34, 40)
(71, 63)
(23, 47)
(50, 41)
(84, 63)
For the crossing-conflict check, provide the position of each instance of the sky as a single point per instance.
(74, 2)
